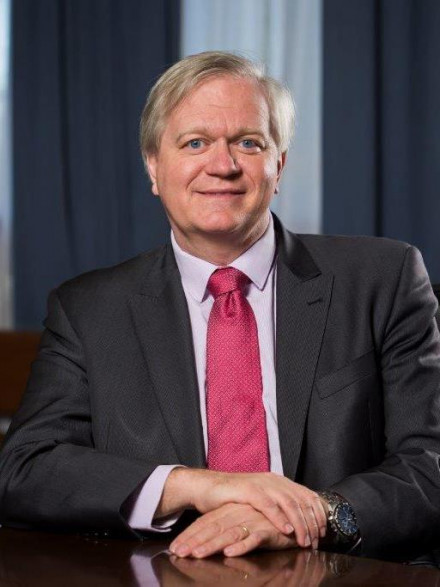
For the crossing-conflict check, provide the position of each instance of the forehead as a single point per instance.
(223, 101)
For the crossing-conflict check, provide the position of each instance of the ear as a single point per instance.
(150, 162)
(280, 166)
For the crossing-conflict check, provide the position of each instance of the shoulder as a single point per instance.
(380, 274)
(350, 257)
(112, 283)
(370, 266)
(365, 254)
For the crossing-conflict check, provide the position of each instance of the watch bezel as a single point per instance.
(338, 508)
(336, 502)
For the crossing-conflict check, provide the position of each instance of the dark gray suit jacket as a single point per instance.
(113, 392)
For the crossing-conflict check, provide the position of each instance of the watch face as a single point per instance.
(345, 519)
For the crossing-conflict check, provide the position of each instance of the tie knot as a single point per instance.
(226, 280)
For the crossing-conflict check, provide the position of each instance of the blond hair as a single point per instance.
(180, 79)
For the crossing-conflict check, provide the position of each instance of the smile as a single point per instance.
(220, 193)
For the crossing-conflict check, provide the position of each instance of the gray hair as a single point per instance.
(180, 79)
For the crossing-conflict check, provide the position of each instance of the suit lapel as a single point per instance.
(163, 328)
(303, 296)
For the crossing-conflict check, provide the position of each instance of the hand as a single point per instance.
(233, 529)
(287, 505)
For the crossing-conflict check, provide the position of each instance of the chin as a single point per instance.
(213, 230)
(219, 224)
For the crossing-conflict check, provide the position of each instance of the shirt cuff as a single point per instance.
(147, 500)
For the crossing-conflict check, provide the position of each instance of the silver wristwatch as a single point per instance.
(342, 523)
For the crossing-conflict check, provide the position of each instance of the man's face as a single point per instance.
(218, 166)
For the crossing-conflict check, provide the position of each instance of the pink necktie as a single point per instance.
(237, 437)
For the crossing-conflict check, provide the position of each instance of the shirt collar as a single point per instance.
(256, 263)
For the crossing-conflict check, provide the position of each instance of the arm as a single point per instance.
(50, 471)
(397, 503)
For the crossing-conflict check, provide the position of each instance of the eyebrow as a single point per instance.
(203, 131)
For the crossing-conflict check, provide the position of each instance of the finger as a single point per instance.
(212, 524)
(253, 541)
(193, 537)
(298, 521)
(273, 511)
(258, 539)
(219, 543)
(193, 528)
(320, 515)
(312, 523)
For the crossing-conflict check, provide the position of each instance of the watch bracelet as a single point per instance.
(335, 537)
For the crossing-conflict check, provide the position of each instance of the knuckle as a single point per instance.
(280, 541)
(236, 534)
(258, 537)
(248, 485)
(293, 504)
(193, 542)
(311, 516)
(215, 528)
(268, 503)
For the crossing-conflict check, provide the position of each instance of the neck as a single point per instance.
(218, 249)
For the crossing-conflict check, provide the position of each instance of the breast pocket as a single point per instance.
(347, 416)
(360, 368)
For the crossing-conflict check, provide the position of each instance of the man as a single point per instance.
(239, 370)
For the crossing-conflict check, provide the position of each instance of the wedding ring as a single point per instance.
(245, 530)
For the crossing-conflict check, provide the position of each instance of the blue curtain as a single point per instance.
(381, 116)
(81, 72)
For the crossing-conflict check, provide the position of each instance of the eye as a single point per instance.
(250, 144)
(195, 143)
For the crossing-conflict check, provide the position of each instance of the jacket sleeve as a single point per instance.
(397, 503)
(51, 475)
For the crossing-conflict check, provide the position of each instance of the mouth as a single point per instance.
(222, 192)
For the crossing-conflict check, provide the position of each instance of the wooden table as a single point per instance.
(36, 558)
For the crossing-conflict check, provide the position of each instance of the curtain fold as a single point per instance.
(382, 121)
(81, 72)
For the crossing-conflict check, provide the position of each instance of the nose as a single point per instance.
(222, 162)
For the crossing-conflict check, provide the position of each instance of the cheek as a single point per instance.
(180, 174)
(267, 176)
(262, 170)
(271, 169)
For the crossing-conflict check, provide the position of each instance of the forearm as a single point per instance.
(397, 507)
(47, 485)
(181, 490)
